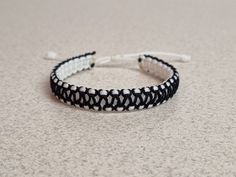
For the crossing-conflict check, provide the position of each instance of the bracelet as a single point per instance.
(115, 99)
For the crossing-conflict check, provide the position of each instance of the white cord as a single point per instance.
(177, 57)
(103, 60)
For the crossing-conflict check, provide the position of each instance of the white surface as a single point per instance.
(194, 134)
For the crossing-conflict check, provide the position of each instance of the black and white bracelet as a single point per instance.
(115, 99)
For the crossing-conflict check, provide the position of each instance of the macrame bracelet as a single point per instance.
(114, 99)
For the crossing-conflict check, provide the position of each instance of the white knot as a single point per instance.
(50, 55)
(185, 58)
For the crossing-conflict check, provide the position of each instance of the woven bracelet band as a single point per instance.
(114, 99)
